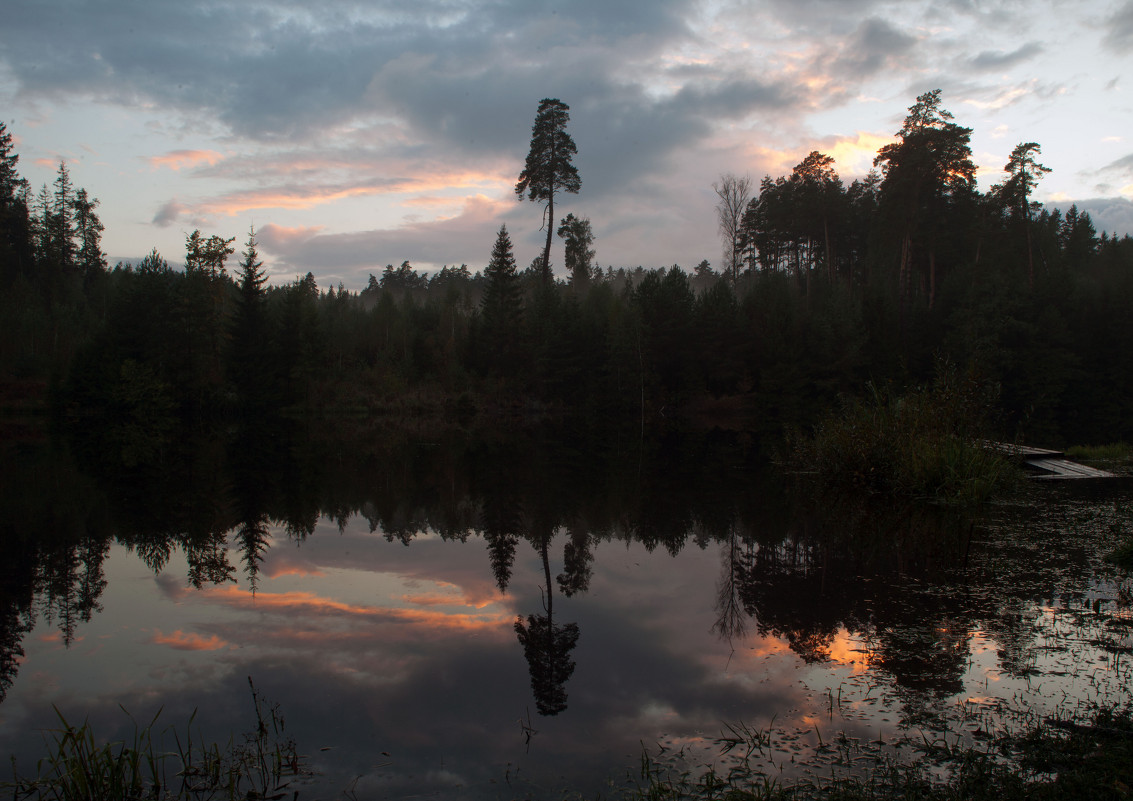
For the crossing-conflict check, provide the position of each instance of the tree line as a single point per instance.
(824, 288)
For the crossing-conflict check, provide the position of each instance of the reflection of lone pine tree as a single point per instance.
(549, 166)
(547, 648)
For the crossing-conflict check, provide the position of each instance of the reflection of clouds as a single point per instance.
(188, 641)
(433, 563)
(848, 651)
(171, 586)
(282, 562)
(439, 599)
(309, 603)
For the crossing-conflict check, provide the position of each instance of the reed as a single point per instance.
(1113, 453)
(81, 766)
(1054, 760)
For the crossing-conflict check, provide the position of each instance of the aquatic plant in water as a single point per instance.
(79, 766)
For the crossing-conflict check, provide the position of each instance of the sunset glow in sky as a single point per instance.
(357, 134)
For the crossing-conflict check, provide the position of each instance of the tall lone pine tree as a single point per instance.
(549, 168)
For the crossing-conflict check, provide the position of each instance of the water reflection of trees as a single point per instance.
(799, 569)
(546, 644)
(880, 574)
(53, 526)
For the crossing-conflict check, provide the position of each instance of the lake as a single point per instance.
(526, 614)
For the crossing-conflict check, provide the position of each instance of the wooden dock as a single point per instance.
(1051, 464)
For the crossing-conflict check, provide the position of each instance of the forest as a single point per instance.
(825, 291)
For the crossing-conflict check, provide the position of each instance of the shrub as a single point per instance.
(924, 444)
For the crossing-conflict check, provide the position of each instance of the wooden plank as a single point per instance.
(1062, 468)
(1024, 451)
(1053, 463)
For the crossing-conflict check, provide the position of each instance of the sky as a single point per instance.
(360, 133)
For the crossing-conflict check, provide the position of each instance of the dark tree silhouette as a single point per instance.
(578, 238)
(248, 353)
(928, 173)
(734, 192)
(547, 647)
(549, 168)
(1023, 174)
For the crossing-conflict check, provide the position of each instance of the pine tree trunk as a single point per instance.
(550, 228)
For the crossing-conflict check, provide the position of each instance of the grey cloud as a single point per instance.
(466, 238)
(997, 59)
(1110, 214)
(579, 21)
(874, 46)
(459, 81)
(998, 14)
(174, 211)
(1122, 166)
(823, 15)
(1119, 29)
(168, 214)
(271, 72)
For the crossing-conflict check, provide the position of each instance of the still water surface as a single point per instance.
(516, 619)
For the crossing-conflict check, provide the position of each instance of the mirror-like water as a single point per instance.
(518, 618)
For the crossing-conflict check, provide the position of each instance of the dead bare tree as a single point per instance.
(734, 192)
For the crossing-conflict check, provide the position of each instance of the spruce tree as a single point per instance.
(249, 349)
(500, 305)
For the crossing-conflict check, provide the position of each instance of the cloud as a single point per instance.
(1003, 96)
(998, 60)
(1122, 167)
(1119, 29)
(327, 179)
(278, 238)
(1113, 215)
(169, 213)
(178, 159)
(451, 240)
(876, 45)
(854, 156)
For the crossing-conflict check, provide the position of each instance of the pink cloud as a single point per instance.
(274, 237)
(178, 159)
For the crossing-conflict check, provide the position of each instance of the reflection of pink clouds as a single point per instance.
(187, 641)
(846, 651)
(757, 647)
(452, 594)
(57, 636)
(438, 599)
(441, 567)
(309, 604)
(280, 562)
(275, 571)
